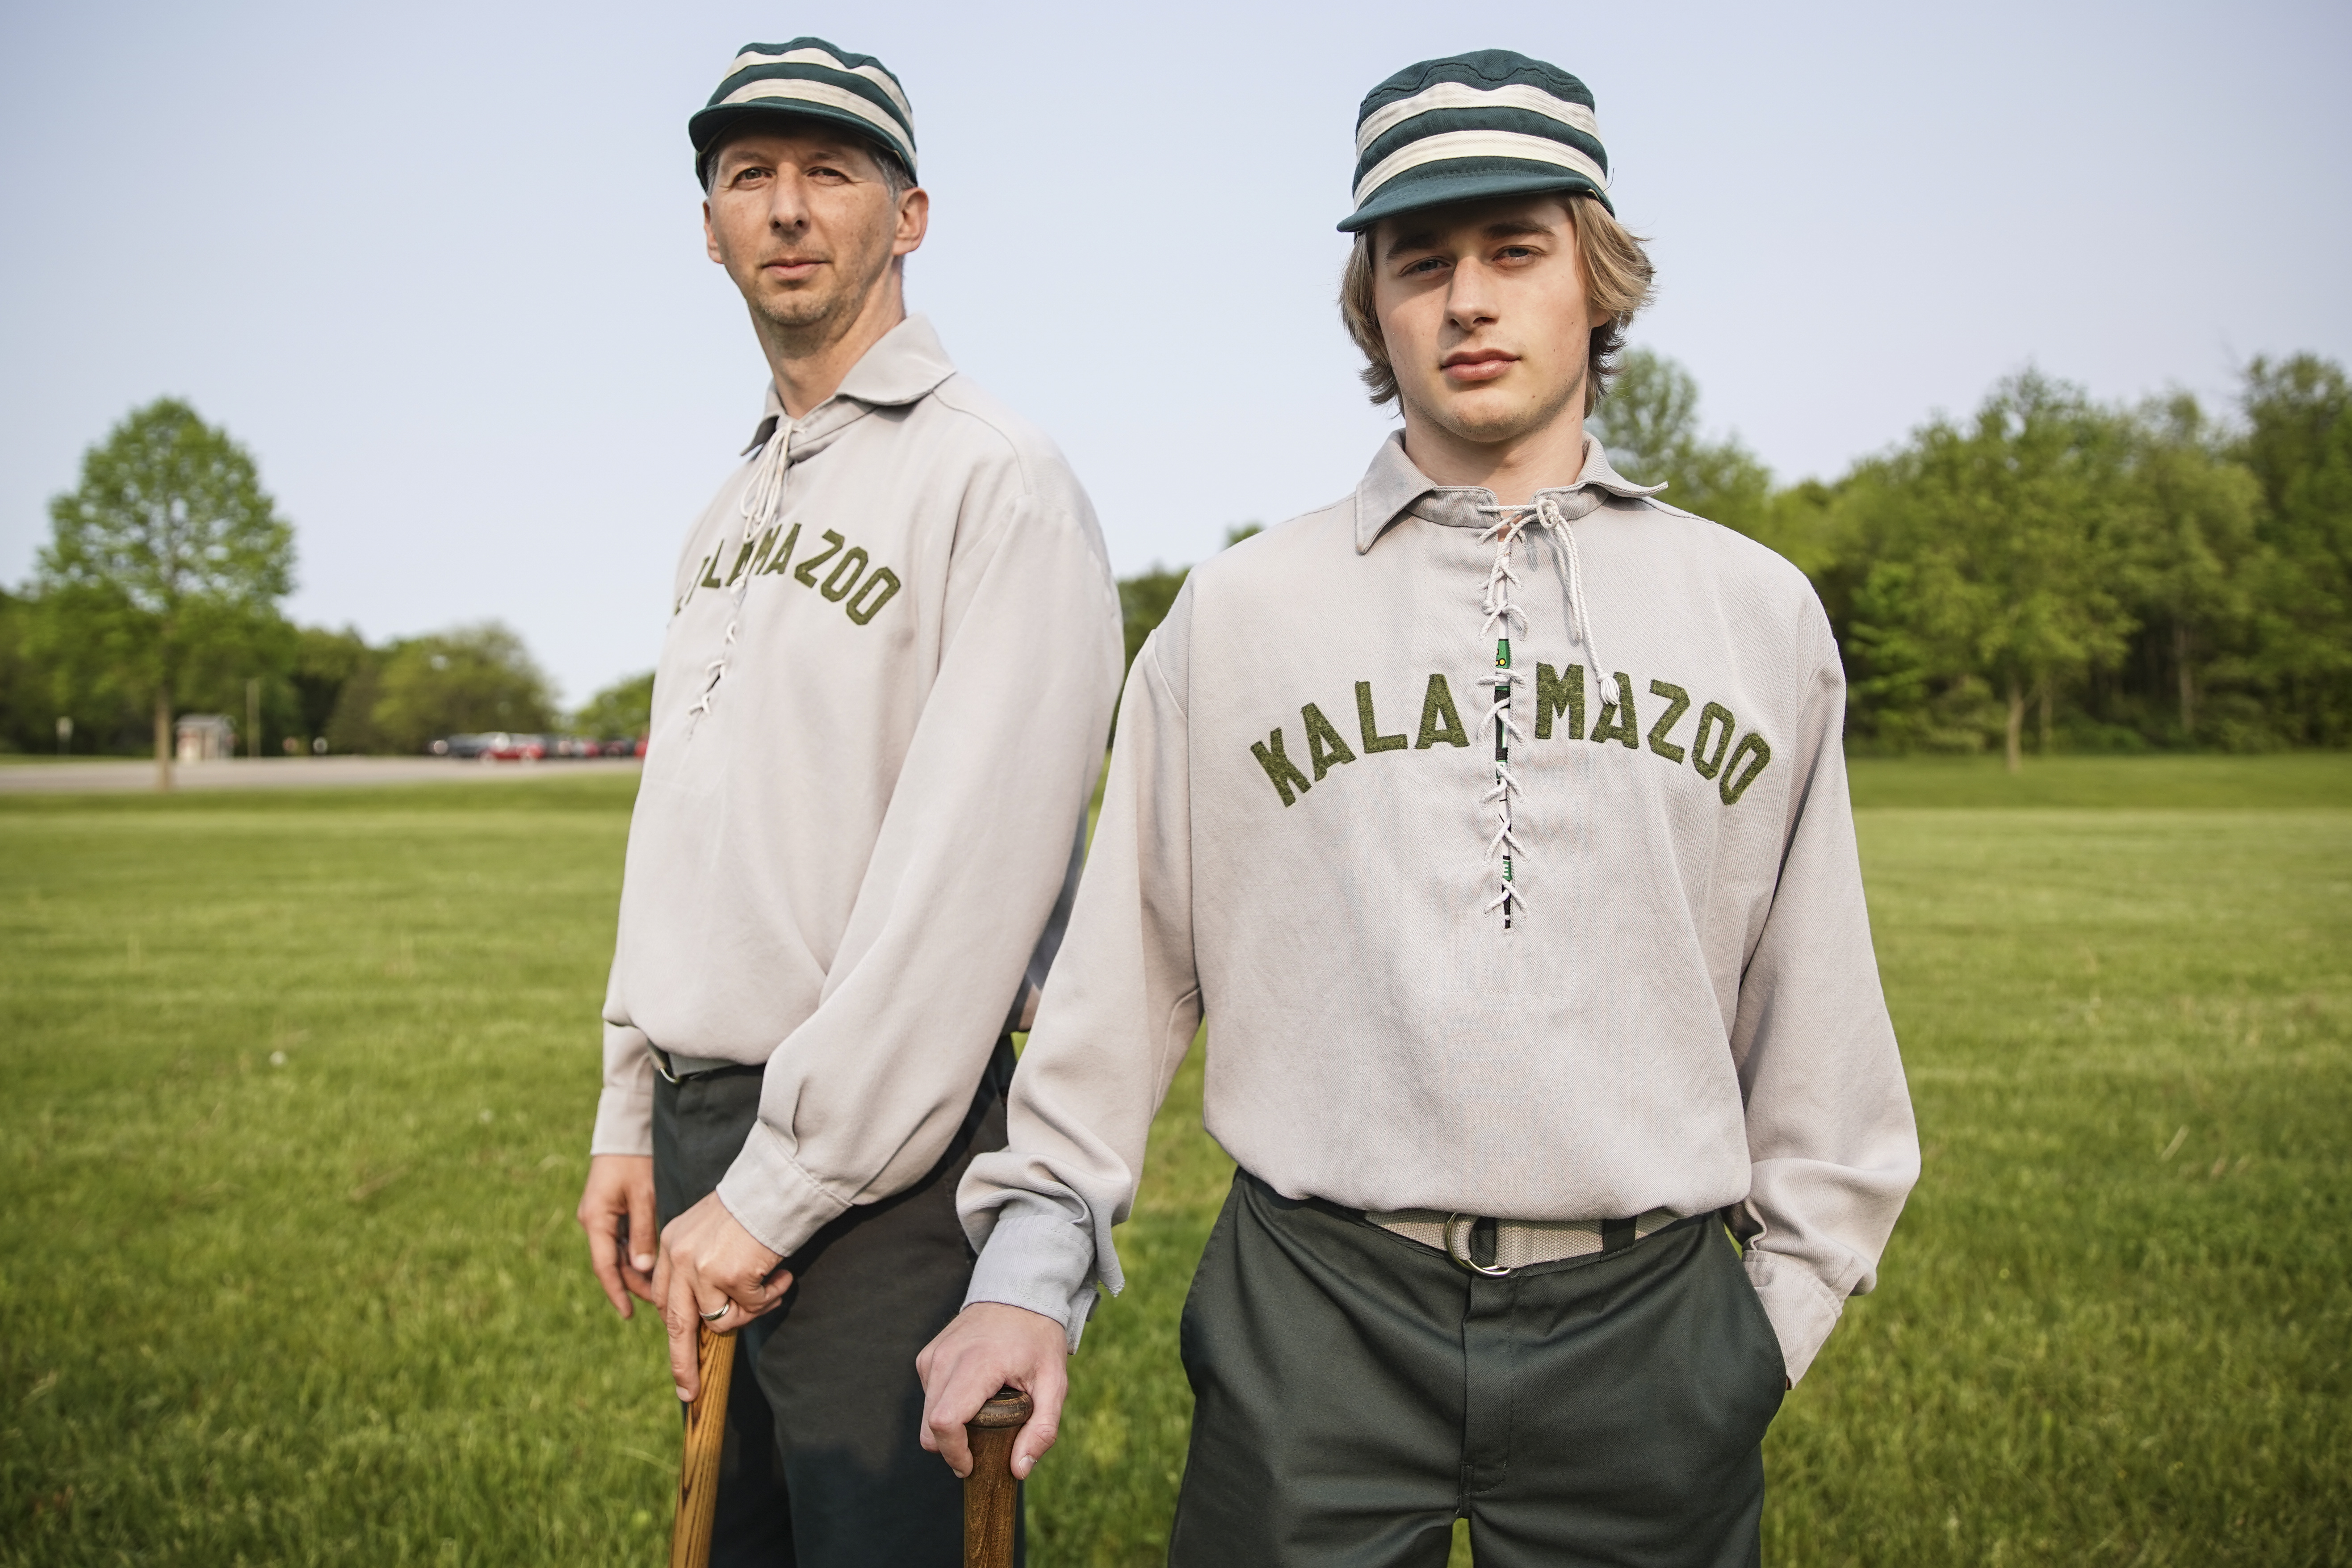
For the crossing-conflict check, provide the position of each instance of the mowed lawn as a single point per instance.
(297, 1088)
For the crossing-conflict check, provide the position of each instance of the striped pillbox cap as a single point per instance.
(1471, 127)
(809, 78)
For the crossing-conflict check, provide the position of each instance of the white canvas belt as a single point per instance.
(1520, 1243)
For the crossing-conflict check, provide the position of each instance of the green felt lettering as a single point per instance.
(1439, 720)
(844, 576)
(1368, 727)
(1288, 782)
(1759, 756)
(866, 603)
(784, 555)
(1678, 704)
(1326, 747)
(807, 573)
(767, 544)
(1617, 720)
(710, 570)
(1558, 692)
(1714, 720)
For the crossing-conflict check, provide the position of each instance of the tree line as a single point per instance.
(2056, 573)
(2050, 573)
(157, 595)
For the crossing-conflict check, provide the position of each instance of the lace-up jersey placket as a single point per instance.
(762, 499)
(1511, 526)
(1501, 612)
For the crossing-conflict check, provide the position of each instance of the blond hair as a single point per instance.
(1617, 272)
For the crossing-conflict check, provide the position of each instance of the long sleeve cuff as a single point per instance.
(1041, 1262)
(1803, 1309)
(625, 1120)
(770, 1196)
(624, 1110)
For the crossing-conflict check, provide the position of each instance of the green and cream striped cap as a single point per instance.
(1471, 127)
(810, 78)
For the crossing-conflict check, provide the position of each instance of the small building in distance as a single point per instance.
(205, 738)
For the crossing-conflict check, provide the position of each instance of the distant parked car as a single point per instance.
(461, 746)
(502, 747)
(596, 746)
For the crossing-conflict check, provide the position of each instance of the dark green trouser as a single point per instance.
(1355, 1392)
(823, 1465)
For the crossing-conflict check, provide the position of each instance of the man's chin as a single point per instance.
(798, 308)
(1487, 422)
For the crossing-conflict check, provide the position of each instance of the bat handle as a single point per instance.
(705, 1437)
(990, 1495)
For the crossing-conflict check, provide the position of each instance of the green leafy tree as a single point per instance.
(1144, 603)
(1145, 599)
(1907, 689)
(350, 722)
(37, 690)
(165, 567)
(2298, 444)
(28, 713)
(1997, 550)
(20, 695)
(2190, 549)
(623, 710)
(466, 681)
(326, 664)
(1649, 423)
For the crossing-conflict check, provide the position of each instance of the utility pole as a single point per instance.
(65, 733)
(253, 718)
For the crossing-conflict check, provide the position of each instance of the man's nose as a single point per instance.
(1470, 297)
(788, 202)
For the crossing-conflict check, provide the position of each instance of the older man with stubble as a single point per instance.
(878, 719)
(1496, 819)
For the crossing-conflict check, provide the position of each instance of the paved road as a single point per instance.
(286, 772)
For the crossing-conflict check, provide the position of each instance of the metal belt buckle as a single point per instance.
(1461, 1254)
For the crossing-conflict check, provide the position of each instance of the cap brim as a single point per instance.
(1465, 180)
(709, 127)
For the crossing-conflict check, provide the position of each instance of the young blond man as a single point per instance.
(877, 718)
(1496, 819)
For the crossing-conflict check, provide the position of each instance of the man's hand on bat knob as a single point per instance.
(712, 1271)
(988, 1346)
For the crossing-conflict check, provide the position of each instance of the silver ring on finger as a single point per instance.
(724, 1308)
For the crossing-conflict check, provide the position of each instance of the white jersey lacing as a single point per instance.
(762, 495)
(1510, 525)
(1501, 612)
(1572, 581)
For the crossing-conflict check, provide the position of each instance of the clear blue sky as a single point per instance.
(438, 266)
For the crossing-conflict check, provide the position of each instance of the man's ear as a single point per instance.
(710, 235)
(914, 221)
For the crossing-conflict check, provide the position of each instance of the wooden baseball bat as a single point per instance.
(706, 1435)
(990, 1495)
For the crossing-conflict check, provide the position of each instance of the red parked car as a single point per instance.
(502, 747)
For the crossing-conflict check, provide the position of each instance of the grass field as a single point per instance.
(299, 1086)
